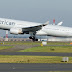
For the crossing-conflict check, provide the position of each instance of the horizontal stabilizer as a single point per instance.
(60, 23)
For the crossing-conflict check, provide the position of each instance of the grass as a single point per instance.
(64, 49)
(31, 59)
(22, 43)
(5, 47)
(35, 43)
(67, 49)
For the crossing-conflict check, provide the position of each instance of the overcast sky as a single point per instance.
(37, 11)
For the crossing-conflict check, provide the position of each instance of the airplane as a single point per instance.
(32, 28)
(55, 30)
(21, 27)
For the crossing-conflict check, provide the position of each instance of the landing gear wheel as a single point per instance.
(33, 39)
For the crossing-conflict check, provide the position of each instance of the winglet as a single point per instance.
(46, 23)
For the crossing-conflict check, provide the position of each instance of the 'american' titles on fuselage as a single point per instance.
(5, 22)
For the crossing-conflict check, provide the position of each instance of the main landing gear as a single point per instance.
(33, 38)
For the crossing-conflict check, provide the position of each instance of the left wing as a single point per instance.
(34, 28)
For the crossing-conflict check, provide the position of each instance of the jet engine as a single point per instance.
(16, 31)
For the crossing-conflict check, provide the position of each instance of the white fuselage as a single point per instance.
(18, 27)
(55, 30)
(8, 24)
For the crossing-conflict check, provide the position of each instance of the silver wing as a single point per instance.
(34, 28)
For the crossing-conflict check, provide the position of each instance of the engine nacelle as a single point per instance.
(16, 31)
